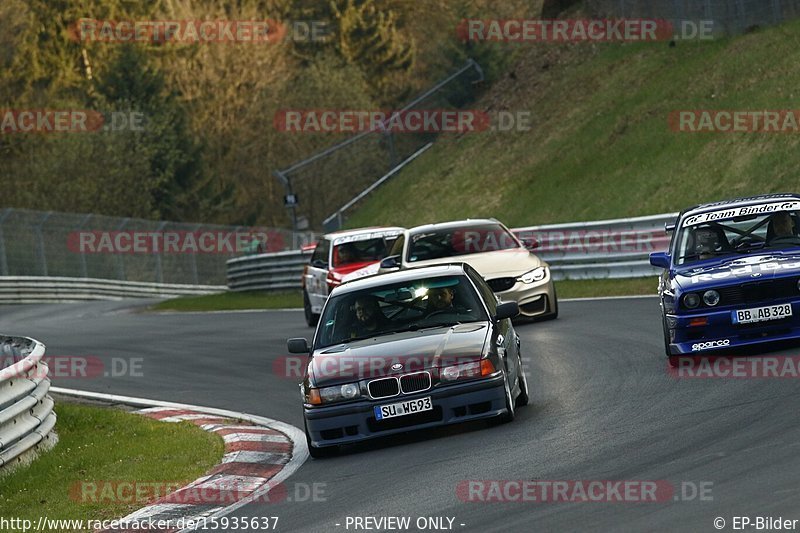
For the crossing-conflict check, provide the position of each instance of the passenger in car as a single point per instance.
(783, 230)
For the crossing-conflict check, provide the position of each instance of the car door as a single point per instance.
(316, 274)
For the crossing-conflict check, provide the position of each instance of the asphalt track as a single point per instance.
(603, 408)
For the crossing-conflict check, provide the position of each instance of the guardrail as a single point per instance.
(267, 272)
(36, 289)
(27, 419)
(604, 249)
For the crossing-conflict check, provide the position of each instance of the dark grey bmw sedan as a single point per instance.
(409, 350)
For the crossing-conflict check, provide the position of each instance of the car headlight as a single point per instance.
(348, 391)
(691, 300)
(484, 367)
(711, 298)
(537, 274)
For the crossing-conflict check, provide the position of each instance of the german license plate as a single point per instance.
(403, 408)
(761, 314)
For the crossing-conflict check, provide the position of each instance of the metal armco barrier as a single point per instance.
(618, 248)
(26, 411)
(35, 289)
(267, 272)
(602, 249)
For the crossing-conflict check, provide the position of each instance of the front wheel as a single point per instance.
(311, 318)
(509, 415)
(523, 397)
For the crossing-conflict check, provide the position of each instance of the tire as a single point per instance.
(673, 359)
(311, 318)
(523, 397)
(317, 452)
(509, 415)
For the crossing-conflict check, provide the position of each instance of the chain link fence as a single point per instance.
(354, 164)
(39, 243)
(729, 16)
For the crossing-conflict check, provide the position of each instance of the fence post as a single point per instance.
(3, 258)
(159, 268)
(194, 258)
(84, 269)
(777, 16)
(120, 260)
(42, 255)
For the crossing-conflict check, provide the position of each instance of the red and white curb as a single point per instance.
(260, 453)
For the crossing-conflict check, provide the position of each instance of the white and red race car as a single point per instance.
(338, 254)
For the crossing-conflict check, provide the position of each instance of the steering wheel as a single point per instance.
(744, 242)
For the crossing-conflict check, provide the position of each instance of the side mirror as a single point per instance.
(659, 259)
(393, 261)
(319, 263)
(298, 345)
(530, 243)
(669, 227)
(506, 310)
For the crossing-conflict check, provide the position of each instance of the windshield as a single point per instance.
(407, 306)
(460, 241)
(359, 251)
(715, 236)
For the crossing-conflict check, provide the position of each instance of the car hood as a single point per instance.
(369, 270)
(352, 267)
(495, 264)
(736, 270)
(415, 350)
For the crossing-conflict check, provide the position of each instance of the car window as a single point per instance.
(359, 251)
(387, 309)
(712, 235)
(488, 294)
(457, 241)
(320, 255)
(397, 246)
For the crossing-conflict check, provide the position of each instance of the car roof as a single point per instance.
(399, 276)
(467, 223)
(358, 231)
(738, 202)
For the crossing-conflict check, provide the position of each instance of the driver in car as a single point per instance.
(707, 242)
(441, 299)
(368, 317)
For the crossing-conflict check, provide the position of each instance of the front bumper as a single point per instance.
(453, 403)
(722, 334)
(534, 299)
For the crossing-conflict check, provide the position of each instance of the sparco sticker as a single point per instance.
(710, 344)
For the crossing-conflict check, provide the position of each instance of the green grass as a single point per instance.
(601, 146)
(228, 301)
(606, 287)
(97, 444)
